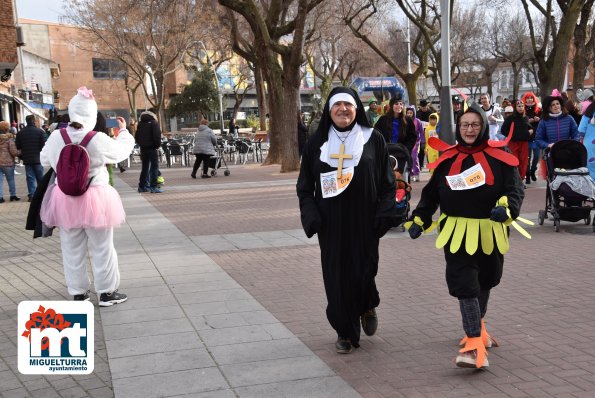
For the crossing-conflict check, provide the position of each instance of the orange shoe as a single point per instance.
(473, 355)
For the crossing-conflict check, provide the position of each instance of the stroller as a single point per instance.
(216, 161)
(400, 159)
(562, 201)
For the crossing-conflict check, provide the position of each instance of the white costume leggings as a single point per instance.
(99, 243)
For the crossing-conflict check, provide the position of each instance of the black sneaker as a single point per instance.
(109, 299)
(82, 297)
(369, 321)
(343, 346)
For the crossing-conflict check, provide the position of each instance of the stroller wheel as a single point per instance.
(557, 225)
(541, 217)
(226, 172)
(214, 172)
(588, 219)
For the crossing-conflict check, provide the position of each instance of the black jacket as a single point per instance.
(148, 132)
(407, 137)
(30, 140)
(521, 128)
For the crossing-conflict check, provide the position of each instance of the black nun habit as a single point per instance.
(349, 225)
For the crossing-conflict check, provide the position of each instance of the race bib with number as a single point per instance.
(333, 186)
(471, 178)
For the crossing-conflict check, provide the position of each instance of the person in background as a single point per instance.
(148, 138)
(517, 124)
(432, 130)
(419, 131)
(396, 127)
(587, 129)
(233, 128)
(86, 222)
(533, 113)
(372, 112)
(302, 132)
(424, 111)
(493, 113)
(8, 151)
(30, 141)
(204, 147)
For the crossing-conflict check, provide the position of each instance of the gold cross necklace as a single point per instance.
(341, 155)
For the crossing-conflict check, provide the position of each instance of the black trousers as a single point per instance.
(150, 167)
(467, 275)
(204, 158)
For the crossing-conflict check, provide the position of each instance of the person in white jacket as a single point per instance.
(86, 222)
(494, 115)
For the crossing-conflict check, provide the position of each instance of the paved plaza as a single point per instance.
(227, 300)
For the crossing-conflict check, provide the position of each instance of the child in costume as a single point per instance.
(86, 222)
(432, 130)
(477, 186)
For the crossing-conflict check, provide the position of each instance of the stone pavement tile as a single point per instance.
(133, 274)
(152, 344)
(18, 393)
(51, 393)
(239, 319)
(170, 384)
(208, 296)
(259, 351)
(188, 269)
(139, 315)
(160, 362)
(211, 394)
(147, 292)
(324, 387)
(211, 281)
(148, 328)
(143, 282)
(103, 392)
(73, 392)
(275, 370)
(243, 334)
(9, 381)
(136, 302)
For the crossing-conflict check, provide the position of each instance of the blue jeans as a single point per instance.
(150, 168)
(7, 171)
(34, 176)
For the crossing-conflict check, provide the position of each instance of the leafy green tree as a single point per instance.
(200, 96)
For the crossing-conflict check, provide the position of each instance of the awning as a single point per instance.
(28, 108)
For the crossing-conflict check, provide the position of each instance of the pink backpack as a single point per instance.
(72, 170)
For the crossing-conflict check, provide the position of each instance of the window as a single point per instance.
(108, 69)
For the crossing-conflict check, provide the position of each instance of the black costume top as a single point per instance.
(465, 219)
(348, 225)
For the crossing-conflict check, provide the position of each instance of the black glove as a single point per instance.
(415, 231)
(499, 214)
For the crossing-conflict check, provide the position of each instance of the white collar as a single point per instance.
(354, 145)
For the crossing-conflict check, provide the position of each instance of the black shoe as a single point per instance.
(343, 346)
(14, 198)
(141, 190)
(527, 180)
(533, 177)
(369, 321)
(82, 297)
(205, 176)
(1, 200)
(109, 299)
(193, 175)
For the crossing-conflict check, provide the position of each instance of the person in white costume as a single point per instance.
(86, 222)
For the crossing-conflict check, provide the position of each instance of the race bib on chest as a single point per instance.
(332, 186)
(471, 178)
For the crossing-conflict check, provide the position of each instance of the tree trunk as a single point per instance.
(583, 51)
(411, 86)
(552, 76)
(261, 97)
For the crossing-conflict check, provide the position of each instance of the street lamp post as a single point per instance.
(219, 93)
(408, 42)
(446, 115)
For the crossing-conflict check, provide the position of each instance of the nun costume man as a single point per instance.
(346, 191)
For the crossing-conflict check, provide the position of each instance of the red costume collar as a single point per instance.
(460, 153)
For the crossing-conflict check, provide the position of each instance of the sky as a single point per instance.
(42, 10)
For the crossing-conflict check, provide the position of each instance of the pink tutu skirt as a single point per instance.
(99, 207)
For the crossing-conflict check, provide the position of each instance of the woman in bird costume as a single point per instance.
(477, 186)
